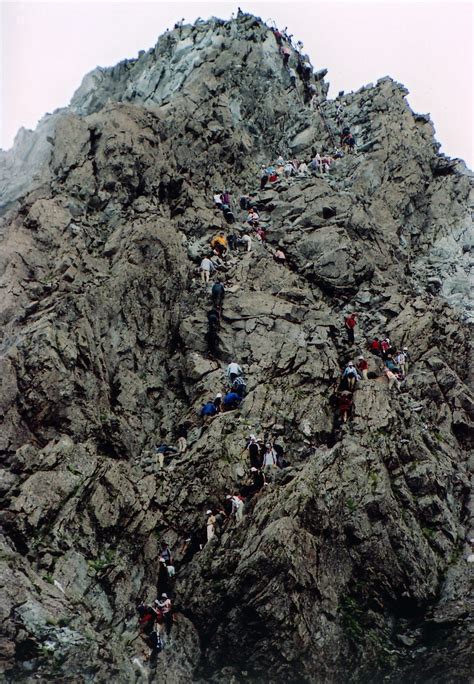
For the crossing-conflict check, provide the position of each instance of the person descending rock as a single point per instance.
(218, 294)
(210, 525)
(363, 367)
(237, 507)
(164, 604)
(344, 403)
(233, 370)
(207, 267)
(350, 323)
(231, 401)
(351, 376)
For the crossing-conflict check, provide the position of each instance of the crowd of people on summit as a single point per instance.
(247, 225)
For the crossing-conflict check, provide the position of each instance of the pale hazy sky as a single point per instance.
(47, 47)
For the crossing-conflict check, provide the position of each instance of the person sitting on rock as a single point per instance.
(231, 401)
(226, 200)
(210, 525)
(253, 217)
(390, 364)
(350, 324)
(363, 367)
(207, 267)
(375, 347)
(218, 294)
(289, 169)
(239, 386)
(351, 376)
(303, 169)
(219, 244)
(344, 405)
(279, 257)
(233, 370)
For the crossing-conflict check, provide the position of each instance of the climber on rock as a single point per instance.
(289, 169)
(285, 53)
(392, 379)
(212, 341)
(255, 455)
(218, 402)
(207, 267)
(253, 217)
(351, 376)
(217, 200)
(147, 619)
(210, 525)
(375, 347)
(246, 241)
(280, 456)
(239, 386)
(400, 362)
(219, 244)
(231, 401)
(217, 294)
(165, 605)
(208, 410)
(213, 319)
(350, 323)
(344, 403)
(363, 367)
(182, 436)
(269, 457)
(386, 347)
(263, 178)
(293, 76)
(226, 200)
(258, 479)
(407, 359)
(279, 257)
(164, 450)
(233, 371)
(237, 507)
(163, 579)
(245, 202)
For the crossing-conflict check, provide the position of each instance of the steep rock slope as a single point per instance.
(352, 563)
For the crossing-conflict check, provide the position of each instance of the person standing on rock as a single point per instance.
(219, 244)
(344, 403)
(218, 200)
(165, 605)
(239, 386)
(350, 324)
(279, 257)
(407, 359)
(293, 76)
(263, 178)
(207, 267)
(254, 452)
(363, 367)
(269, 457)
(147, 619)
(218, 294)
(237, 507)
(400, 360)
(375, 347)
(163, 580)
(210, 525)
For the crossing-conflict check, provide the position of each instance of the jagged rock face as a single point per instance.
(351, 565)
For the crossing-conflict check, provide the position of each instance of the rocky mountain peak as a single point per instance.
(351, 562)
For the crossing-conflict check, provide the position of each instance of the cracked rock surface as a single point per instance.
(351, 565)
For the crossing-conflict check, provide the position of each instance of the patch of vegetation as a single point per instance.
(102, 563)
(351, 505)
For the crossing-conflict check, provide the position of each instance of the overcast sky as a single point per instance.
(47, 47)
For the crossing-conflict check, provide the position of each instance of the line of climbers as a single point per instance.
(265, 455)
(393, 366)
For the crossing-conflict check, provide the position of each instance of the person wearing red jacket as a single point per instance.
(350, 324)
(362, 367)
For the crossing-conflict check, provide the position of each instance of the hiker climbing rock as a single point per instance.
(217, 294)
(233, 370)
(182, 435)
(375, 347)
(350, 375)
(207, 267)
(210, 525)
(344, 403)
(239, 386)
(263, 178)
(164, 450)
(285, 53)
(213, 319)
(400, 361)
(269, 457)
(237, 507)
(293, 76)
(208, 410)
(392, 379)
(165, 605)
(279, 257)
(219, 244)
(350, 323)
(231, 401)
(147, 620)
(363, 367)
(254, 450)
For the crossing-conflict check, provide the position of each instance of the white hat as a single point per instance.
(229, 496)
(219, 395)
(361, 357)
(164, 595)
(208, 512)
(405, 348)
(253, 469)
(252, 437)
(350, 363)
